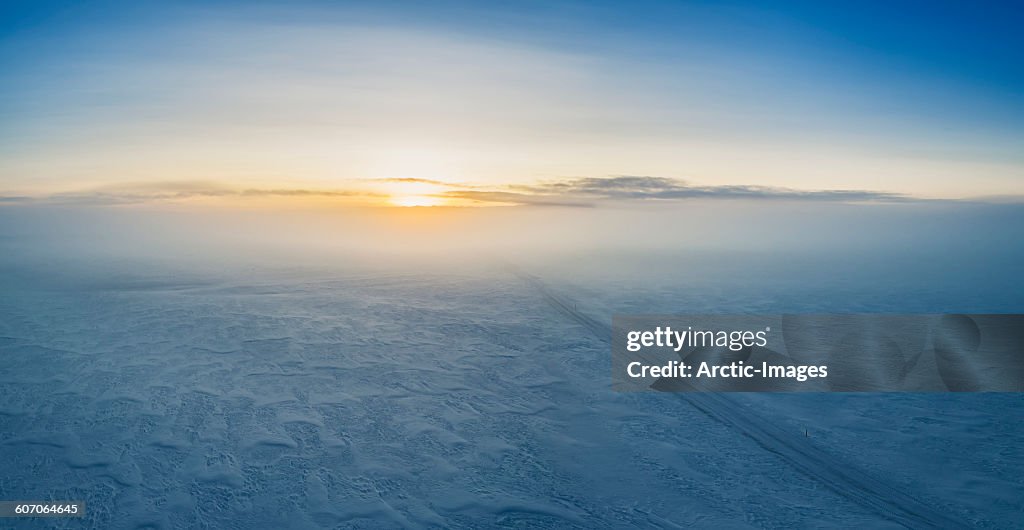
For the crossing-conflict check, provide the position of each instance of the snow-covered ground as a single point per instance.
(355, 396)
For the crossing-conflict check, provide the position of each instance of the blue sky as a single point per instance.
(924, 99)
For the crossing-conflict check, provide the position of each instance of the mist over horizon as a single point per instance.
(969, 248)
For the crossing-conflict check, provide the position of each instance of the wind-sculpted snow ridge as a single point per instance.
(840, 477)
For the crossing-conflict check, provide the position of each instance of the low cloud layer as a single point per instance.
(578, 192)
(591, 190)
(177, 191)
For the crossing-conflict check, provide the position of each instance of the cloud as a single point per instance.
(646, 188)
(417, 180)
(508, 197)
(172, 191)
(577, 192)
(589, 191)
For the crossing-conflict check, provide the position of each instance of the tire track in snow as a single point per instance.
(857, 486)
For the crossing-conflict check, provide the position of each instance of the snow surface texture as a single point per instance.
(465, 398)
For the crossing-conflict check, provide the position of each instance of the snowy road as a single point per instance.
(797, 452)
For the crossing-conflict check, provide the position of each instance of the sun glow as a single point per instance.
(414, 191)
(415, 200)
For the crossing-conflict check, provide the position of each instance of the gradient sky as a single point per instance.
(917, 98)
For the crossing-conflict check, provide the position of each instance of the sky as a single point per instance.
(555, 103)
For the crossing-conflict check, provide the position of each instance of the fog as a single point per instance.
(296, 237)
(733, 255)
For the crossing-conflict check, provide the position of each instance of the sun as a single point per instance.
(413, 191)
